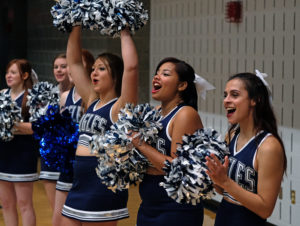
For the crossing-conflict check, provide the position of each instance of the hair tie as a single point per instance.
(202, 86)
(34, 77)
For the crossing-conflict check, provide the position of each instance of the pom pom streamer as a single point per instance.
(120, 163)
(58, 135)
(39, 97)
(186, 180)
(107, 16)
(9, 114)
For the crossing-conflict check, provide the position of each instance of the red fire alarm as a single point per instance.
(234, 11)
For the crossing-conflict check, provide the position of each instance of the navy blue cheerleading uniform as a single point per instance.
(241, 170)
(65, 179)
(89, 200)
(18, 157)
(157, 208)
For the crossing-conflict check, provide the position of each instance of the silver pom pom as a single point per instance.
(186, 180)
(107, 16)
(120, 164)
(10, 113)
(40, 97)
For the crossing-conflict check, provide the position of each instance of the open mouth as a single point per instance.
(156, 87)
(95, 81)
(230, 111)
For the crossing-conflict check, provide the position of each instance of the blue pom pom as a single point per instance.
(186, 180)
(58, 135)
(10, 113)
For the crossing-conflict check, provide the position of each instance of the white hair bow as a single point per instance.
(262, 77)
(202, 86)
(34, 77)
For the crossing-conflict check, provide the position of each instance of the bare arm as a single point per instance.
(270, 174)
(77, 70)
(23, 128)
(129, 90)
(186, 116)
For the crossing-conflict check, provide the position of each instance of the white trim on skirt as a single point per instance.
(48, 175)
(19, 177)
(92, 216)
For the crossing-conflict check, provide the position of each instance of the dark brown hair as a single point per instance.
(263, 114)
(116, 67)
(186, 74)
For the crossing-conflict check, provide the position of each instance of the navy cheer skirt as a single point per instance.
(91, 201)
(18, 159)
(160, 210)
(229, 214)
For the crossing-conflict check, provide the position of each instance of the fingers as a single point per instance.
(226, 163)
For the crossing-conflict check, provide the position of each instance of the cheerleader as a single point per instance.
(250, 178)
(18, 157)
(173, 85)
(71, 101)
(49, 175)
(89, 200)
(60, 72)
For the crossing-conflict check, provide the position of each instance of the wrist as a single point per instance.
(226, 183)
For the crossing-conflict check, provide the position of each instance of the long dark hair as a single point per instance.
(89, 60)
(24, 67)
(186, 74)
(263, 114)
(116, 67)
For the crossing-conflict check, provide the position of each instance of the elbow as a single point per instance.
(131, 68)
(266, 213)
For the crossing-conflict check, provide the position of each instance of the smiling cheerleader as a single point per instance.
(250, 178)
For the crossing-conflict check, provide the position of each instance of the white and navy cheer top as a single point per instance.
(163, 144)
(241, 167)
(74, 107)
(95, 121)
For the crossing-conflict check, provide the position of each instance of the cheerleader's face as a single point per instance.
(13, 77)
(165, 84)
(60, 70)
(101, 77)
(239, 108)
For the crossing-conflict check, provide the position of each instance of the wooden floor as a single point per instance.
(43, 211)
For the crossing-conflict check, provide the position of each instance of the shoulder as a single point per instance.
(65, 94)
(63, 98)
(270, 148)
(188, 113)
(188, 116)
(271, 145)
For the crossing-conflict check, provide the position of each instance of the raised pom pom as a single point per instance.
(39, 97)
(107, 16)
(9, 114)
(186, 180)
(58, 135)
(120, 164)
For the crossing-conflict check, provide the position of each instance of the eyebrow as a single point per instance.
(100, 64)
(164, 70)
